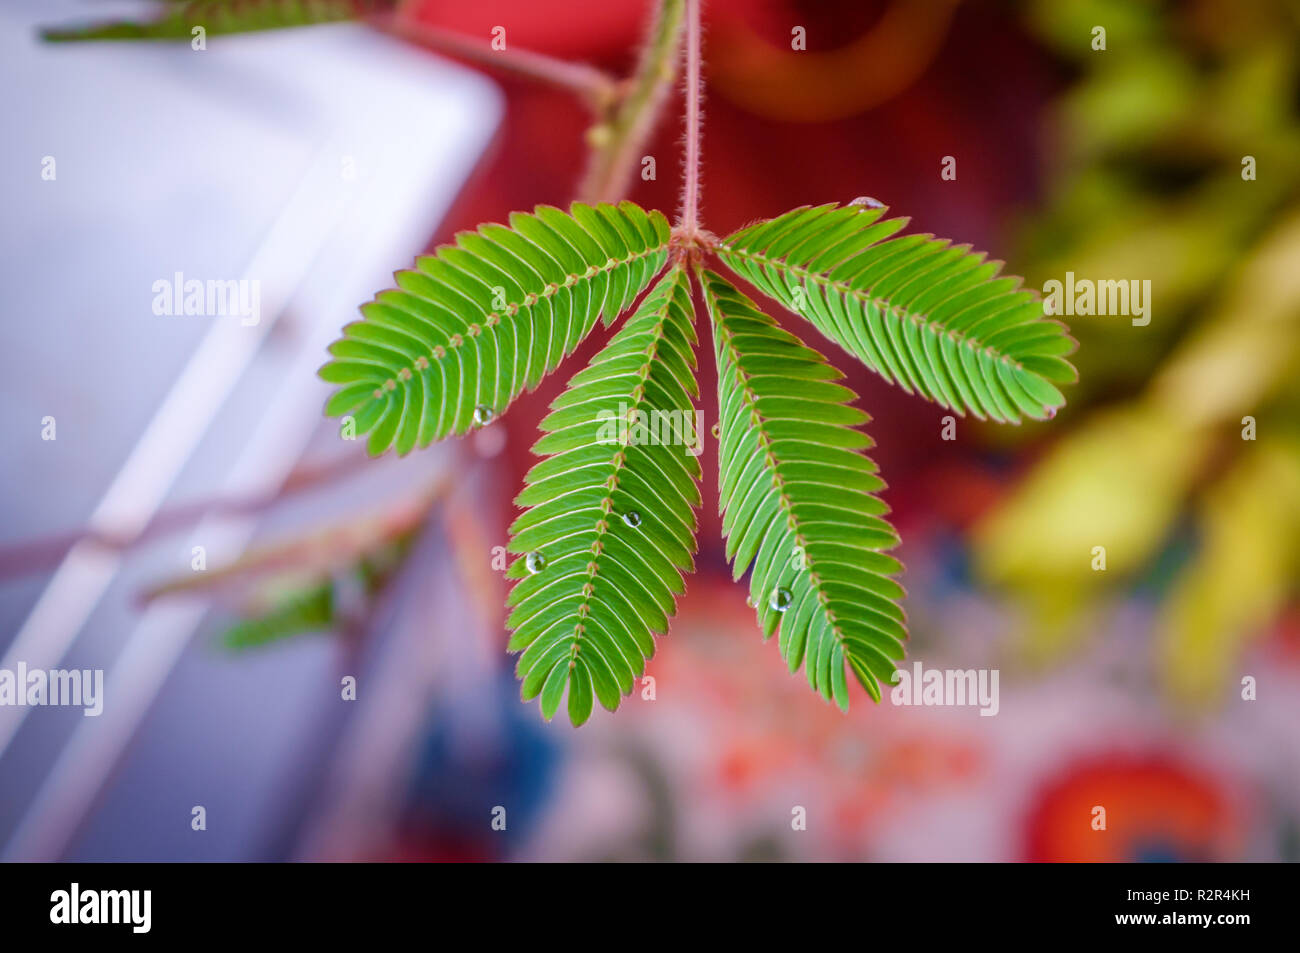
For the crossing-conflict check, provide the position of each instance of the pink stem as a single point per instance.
(691, 193)
(594, 85)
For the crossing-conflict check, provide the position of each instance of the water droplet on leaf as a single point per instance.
(781, 599)
(535, 562)
(632, 518)
(717, 431)
(868, 202)
(482, 415)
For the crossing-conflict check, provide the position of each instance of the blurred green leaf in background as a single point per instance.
(1145, 180)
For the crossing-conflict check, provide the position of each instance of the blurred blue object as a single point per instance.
(460, 777)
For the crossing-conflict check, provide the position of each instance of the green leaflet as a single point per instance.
(308, 610)
(311, 607)
(927, 315)
(480, 321)
(798, 503)
(614, 522)
(221, 16)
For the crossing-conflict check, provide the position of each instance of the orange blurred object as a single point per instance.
(1156, 808)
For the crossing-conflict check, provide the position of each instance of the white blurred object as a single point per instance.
(315, 161)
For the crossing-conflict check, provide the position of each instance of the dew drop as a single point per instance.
(632, 518)
(717, 431)
(749, 601)
(535, 562)
(482, 415)
(781, 598)
(867, 201)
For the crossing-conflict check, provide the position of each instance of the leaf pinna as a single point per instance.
(477, 323)
(798, 500)
(927, 315)
(611, 513)
(179, 18)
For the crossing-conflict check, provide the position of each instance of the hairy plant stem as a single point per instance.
(619, 136)
(690, 217)
(594, 86)
(625, 110)
(45, 553)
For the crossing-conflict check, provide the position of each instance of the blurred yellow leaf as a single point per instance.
(1245, 570)
(1116, 483)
